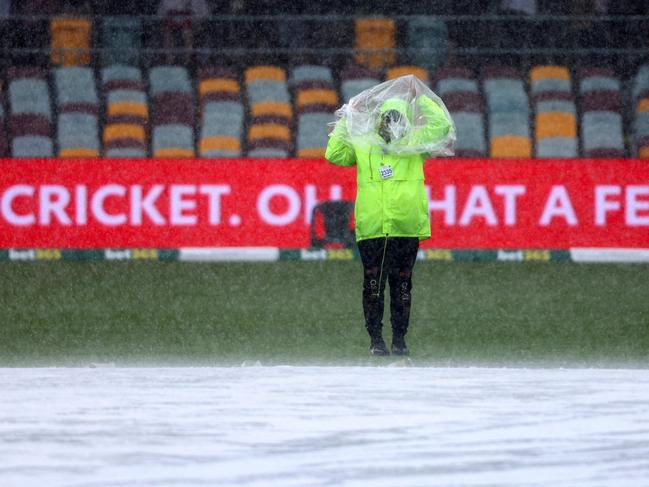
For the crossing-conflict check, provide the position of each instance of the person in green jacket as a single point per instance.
(391, 210)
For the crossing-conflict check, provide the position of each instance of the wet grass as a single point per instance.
(310, 313)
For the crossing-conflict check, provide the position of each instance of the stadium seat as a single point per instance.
(598, 79)
(4, 141)
(511, 147)
(556, 124)
(557, 147)
(78, 108)
(640, 100)
(269, 133)
(312, 135)
(127, 112)
(556, 112)
(70, 41)
(121, 40)
(32, 146)
(30, 113)
(398, 71)
(601, 108)
(171, 79)
(550, 79)
(508, 113)
(602, 134)
(509, 123)
(470, 134)
(427, 42)
(315, 101)
(172, 134)
(375, 42)
(76, 90)
(77, 135)
(459, 91)
(309, 73)
(222, 113)
(310, 99)
(355, 79)
(173, 140)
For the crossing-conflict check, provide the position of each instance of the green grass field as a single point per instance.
(310, 313)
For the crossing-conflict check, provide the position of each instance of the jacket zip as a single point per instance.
(385, 248)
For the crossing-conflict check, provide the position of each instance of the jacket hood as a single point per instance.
(397, 104)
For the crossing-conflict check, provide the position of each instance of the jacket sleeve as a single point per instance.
(339, 151)
(437, 124)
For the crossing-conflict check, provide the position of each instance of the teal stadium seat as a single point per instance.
(427, 42)
(315, 101)
(555, 112)
(271, 112)
(601, 107)
(602, 131)
(173, 79)
(78, 108)
(508, 112)
(312, 130)
(470, 134)
(557, 147)
(127, 112)
(121, 40)
(173, 112)
(30, 113)
(119, 73)
(509, 123)
(171, 137)
(268, 90)
(30, 96)
(454, 85)
(77, 130)
(565, 106)
(640, 96)
(311, 73)
(32, 146)
(75, 85)
(506, 95)
(355, 79)
(459, 90)
(3, 129)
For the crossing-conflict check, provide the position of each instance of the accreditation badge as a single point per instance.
(386, 172)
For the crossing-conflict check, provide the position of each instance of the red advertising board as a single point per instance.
(488, 203)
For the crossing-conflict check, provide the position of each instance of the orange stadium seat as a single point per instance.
(397, 71)
(271, 73)
(549, 72)
(375, 42)
(312, 153)
(316, 97)
(511, 147)
(221, 112)
(269, 131)
(220, 143)
(278, 108)
(555, 124)
(71, 38)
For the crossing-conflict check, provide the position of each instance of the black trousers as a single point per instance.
(398, 256)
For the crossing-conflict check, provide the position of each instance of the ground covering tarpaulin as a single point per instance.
(315, 426)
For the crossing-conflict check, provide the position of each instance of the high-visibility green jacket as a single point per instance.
(397, 206)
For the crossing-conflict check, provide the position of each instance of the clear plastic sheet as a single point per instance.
(395, 116)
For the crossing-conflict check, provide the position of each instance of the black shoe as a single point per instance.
(379, 348)
(399, 346)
